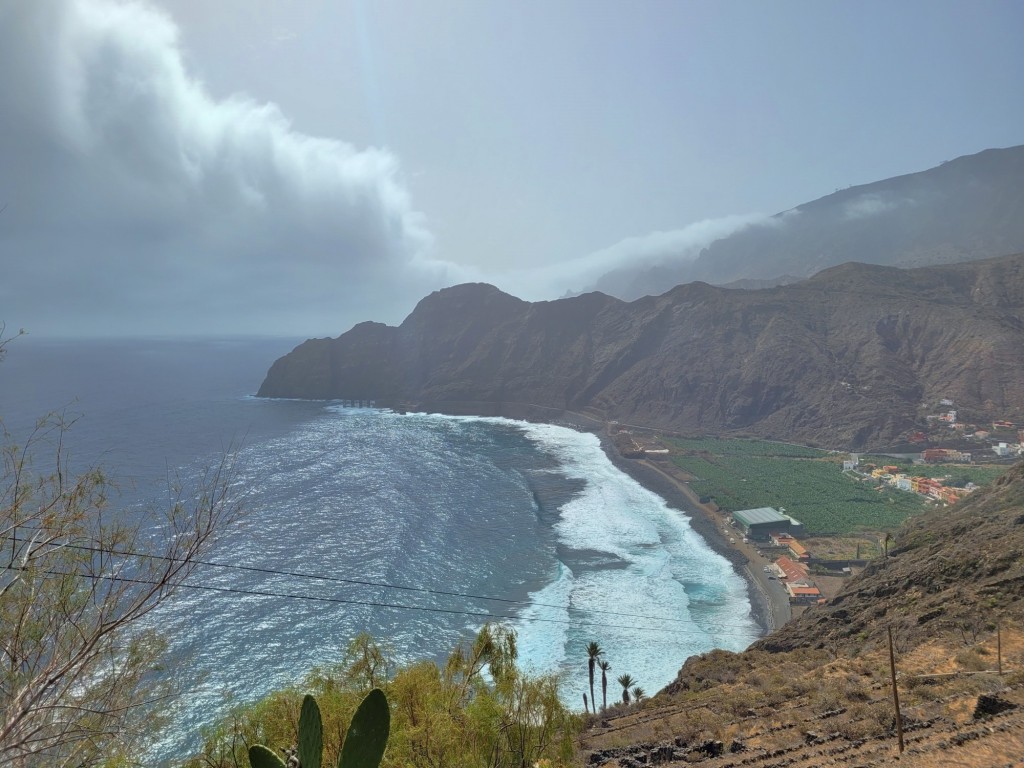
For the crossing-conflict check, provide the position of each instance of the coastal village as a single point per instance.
(782, 560)
(981, 443)
(772, 531)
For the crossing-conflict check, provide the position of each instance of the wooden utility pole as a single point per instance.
(999, 649)
(895, 692)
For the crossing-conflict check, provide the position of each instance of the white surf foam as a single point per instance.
(660, 595)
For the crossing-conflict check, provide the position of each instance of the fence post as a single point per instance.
(999, 648)
(895, 692)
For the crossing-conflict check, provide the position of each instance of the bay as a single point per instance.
(425, 526)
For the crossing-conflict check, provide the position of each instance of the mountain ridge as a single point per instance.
(963, 209)
(872, 344)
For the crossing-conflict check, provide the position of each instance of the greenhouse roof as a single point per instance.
(759, 516)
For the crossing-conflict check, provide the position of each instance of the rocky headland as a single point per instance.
(845, 359)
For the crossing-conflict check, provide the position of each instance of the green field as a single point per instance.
(742, 474)
(759, 448)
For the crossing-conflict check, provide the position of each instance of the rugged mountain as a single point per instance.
(844, 359)
(818, 693)
(968, 208)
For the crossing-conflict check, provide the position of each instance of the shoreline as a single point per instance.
(703, 524)
(644, 472)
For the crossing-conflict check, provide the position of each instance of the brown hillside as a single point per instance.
(844, 359)
(817, 693)
(951, 569)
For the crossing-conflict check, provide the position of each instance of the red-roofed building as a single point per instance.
(791, 571)
(803, 595)
(799, 550)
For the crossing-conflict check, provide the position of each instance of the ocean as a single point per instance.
(426, 526)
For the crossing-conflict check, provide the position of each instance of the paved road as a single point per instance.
(779, 611)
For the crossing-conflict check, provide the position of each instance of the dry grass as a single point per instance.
(845, 547)
(805, 709)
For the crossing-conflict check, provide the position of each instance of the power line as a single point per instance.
(346, 601)
(385, 585)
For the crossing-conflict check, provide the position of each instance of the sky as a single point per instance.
(187, 167)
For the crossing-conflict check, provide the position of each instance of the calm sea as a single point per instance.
(535, 515)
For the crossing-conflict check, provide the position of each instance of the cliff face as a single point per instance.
(843, 359)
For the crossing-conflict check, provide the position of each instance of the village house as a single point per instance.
(953, 495)
(790, 570)
(941, 455)
(789, 542)
(803, 594)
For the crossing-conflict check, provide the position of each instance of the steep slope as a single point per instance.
(818, 692)
(843, 359)
(968, 208)
(958, 568)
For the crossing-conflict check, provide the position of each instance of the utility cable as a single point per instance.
(368, 603)
(382, 585)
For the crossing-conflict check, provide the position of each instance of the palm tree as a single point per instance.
(638, 693)
(593, 651)
(625, 681)
(605, 666)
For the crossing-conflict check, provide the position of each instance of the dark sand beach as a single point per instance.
(769, 606)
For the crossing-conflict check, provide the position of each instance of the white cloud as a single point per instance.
(633, 254)
(869, 204)
(139, 203)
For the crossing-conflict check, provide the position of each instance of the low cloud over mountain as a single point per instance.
(968, 208)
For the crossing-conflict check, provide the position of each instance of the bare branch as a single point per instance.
(76, 683)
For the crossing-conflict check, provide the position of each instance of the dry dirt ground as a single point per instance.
(839, 713)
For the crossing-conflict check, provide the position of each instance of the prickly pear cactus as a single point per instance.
(261, 757)
(364, 745)
(367, 734)
(311, 734)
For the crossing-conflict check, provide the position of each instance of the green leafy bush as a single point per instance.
(477, 709)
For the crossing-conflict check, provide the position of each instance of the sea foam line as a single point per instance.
(649, 562)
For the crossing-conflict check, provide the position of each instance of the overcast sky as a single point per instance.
(291, 168)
